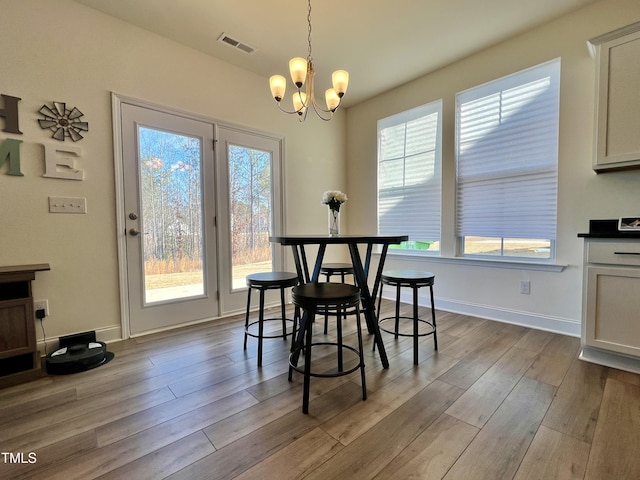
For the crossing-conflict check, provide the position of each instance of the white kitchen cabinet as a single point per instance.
(611, 303)
(617, 143)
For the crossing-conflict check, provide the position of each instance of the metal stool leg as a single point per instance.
(326, 312)
(433, 318)
(284, 315)
(307, 362)
(246, 321)
(379, 302)
(296, 320)
(415, 325)
(397, 310)
(260, 327)
(361, 350)
(339, 328)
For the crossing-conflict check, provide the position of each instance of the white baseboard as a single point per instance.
(112, 333)
(525, 319)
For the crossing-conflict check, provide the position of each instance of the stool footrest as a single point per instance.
(300, 369)
(257, 322)
(393, 332)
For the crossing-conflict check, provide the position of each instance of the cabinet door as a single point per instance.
(618, 103)
(17, 327)
(613, 309)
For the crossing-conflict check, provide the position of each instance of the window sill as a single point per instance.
(481, 262)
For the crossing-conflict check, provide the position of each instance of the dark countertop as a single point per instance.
(608, 229)
(630, 235)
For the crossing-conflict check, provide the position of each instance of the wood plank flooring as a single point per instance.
(497, 401)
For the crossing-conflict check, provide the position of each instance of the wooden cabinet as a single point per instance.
(19, 357)
(617, 143)
(611, 303)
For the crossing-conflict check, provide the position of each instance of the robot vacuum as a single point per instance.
(77, 353)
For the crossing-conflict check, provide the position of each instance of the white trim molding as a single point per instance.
(560, 325)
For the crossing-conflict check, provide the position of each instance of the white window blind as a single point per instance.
(507, 155)
(409, 173)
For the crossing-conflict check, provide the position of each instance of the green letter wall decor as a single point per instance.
(10, 150)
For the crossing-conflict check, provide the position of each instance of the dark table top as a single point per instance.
(341, 239)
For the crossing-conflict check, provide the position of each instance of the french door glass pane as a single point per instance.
(171, 213)
(250, 206)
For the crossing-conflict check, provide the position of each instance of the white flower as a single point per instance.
(334, 198)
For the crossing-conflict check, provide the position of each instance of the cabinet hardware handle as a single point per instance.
(626, 253)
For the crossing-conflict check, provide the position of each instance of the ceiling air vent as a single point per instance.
(224, 38)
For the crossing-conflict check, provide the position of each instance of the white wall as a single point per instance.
(57, 50)
(555, 299)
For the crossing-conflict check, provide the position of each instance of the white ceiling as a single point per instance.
(381, 43)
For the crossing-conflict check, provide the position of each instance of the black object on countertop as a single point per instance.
(608, 229)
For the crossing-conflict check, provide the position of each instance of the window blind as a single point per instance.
(507, 155)
(409, 173)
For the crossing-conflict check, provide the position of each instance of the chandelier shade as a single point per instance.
(298, 71)
(278, 86)
(302, 73)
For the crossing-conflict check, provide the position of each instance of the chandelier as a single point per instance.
(302, 73)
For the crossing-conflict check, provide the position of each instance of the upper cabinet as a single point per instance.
(617, 135)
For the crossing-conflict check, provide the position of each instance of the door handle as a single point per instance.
(134, 232)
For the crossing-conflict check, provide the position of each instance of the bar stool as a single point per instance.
(329, 270)
(262, 282)
(414, 280)
(342, 269)
(338, 297)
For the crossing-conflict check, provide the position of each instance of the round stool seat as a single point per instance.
(272, 280)
(336, 269)
(312, 295)
(408, 278)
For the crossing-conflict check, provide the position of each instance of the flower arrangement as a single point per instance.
(334, 198)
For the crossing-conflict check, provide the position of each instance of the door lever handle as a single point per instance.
(134, 232)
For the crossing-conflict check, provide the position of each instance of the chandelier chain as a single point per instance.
(309, 56)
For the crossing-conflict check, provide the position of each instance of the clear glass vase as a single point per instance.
(334, 222)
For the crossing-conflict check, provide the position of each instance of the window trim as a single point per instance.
(512, 263)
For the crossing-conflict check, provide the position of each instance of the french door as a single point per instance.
(168, 173)
(197, 202)
(250, 199)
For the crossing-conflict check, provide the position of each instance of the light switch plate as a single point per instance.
(67, 205)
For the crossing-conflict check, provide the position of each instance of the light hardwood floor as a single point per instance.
(496, 401)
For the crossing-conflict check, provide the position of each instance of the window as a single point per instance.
(409, 177)
(507, 164)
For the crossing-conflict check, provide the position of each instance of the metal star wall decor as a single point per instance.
(63, 122)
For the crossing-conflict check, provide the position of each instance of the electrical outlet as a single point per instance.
(525, 287)
(41, 305)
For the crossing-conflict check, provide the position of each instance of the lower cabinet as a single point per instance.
(611, 299)
(613, 309)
